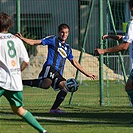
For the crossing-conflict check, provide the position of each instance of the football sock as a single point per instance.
(59, 99)
(30, 119)
(26, 82)
(33, 83)
(130, 94)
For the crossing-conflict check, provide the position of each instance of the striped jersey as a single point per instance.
(12, 52)
(57, 53)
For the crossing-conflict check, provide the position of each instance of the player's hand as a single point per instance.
(99, 51)
(105, 37)
(91, 76)
(19, 35)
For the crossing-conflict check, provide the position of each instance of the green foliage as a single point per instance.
(32, 50)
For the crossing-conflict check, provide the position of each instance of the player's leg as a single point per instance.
(15, 100)
(44, 81)
(54, 79)
(40, 83)
(129, 87)
(60, 83)
(31, 82)
(59, 99)
(28, 117)
(1, 91)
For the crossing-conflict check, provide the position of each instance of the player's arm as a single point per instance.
(115, 37)
(23, 65)
(28, 41)
(80, 68)
(120, 47)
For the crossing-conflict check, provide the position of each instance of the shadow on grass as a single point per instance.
(110, 119)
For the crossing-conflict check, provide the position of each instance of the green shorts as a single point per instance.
(15, 98)
(131, 75)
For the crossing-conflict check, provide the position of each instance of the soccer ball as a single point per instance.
(71, 85)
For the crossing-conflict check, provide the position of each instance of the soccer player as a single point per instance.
(127, 41)
(12, 51)
(51, 74)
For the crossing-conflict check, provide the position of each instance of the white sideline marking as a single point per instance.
(58, 119)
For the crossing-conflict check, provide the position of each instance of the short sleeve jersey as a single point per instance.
(12, 52)
(57, 53)
(129, 38)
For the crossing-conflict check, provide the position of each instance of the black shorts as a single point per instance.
(51, 73)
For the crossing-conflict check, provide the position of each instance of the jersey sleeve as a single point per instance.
(47, 40)
(129, 33)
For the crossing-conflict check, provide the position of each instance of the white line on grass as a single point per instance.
(58, 119)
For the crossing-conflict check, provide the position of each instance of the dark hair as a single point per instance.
(63, 26)
(5, 21)
(130, 3)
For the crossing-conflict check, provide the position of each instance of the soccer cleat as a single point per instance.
(56, 111)
(45, 131)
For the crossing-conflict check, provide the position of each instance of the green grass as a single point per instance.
(84, 115)
(83, 119)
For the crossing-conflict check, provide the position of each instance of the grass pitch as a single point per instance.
(84, 115)
(78, 119)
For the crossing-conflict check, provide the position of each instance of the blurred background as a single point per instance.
(88, 21)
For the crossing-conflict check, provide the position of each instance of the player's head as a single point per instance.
(63, 31)
(5, 22)
(131, 6)
(63, 26)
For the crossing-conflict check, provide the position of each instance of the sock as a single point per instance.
(26, 82)
(33, 83)
(130, 94)
(59, 99)
(30, 119)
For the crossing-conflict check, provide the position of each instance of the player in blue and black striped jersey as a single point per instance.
(51, 74)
